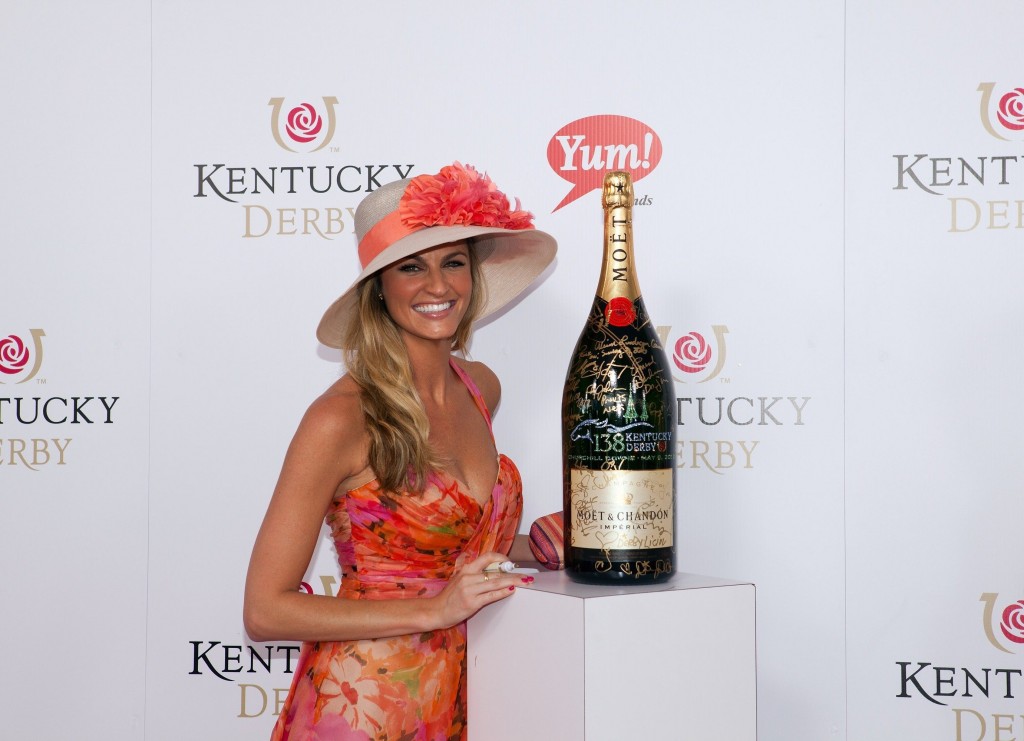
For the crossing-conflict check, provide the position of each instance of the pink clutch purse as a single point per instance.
(546, 541)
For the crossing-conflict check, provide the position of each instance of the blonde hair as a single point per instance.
(400, 453)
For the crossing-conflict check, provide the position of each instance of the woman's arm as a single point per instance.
(328, 449)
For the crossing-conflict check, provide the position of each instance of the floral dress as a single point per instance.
(400, 546)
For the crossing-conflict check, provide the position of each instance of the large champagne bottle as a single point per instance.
(618, 424)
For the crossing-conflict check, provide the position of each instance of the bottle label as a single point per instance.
(621, 510)
(620, 312)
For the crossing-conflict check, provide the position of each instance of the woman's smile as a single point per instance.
(434, 308)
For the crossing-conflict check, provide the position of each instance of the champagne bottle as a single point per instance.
(618, 424)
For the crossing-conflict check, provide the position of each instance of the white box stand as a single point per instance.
(561, 661)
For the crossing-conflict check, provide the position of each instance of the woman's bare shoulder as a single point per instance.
(485, 379)
(341, 402)
(334, 426)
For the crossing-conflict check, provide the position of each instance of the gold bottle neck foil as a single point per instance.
(618, 274)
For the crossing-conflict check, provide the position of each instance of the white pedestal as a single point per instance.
(561, 661)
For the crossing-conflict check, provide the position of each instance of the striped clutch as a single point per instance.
(546, 541)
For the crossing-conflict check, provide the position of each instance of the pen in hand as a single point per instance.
(507, 567)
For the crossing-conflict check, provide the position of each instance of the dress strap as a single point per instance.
(474, 392)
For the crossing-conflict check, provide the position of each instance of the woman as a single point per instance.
(399, 458)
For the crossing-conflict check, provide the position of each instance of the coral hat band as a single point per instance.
(384, 233)
(392, 228)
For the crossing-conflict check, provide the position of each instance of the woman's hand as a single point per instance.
(472, 588)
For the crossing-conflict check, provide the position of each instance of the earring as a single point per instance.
(380, 295)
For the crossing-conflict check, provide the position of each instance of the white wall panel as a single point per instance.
(933, 478)
(74, 240)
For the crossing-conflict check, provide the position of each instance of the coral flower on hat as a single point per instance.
(459, 195)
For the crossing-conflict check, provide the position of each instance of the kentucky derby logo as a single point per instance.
(1004, 627)
(304, 126)
(695, 359)
(1002, 112)
(20, 361)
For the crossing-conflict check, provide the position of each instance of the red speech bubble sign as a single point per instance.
(584, 150)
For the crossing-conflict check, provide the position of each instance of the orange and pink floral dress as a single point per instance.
(400, 546)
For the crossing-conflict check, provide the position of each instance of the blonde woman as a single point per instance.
(398, 456)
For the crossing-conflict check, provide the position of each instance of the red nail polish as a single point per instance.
(512, 589)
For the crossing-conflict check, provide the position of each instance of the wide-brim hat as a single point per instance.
(408, 216)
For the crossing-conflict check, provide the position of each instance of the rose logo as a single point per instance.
(1011, 110)
(303, 123)
(692, 353)
(13, 355)
(1012, 623)
(1003, 120)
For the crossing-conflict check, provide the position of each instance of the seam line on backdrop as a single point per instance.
(149, 399)
(846, 621)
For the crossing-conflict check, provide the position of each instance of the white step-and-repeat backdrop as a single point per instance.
(829, 225)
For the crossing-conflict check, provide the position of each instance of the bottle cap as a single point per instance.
(617, 191)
